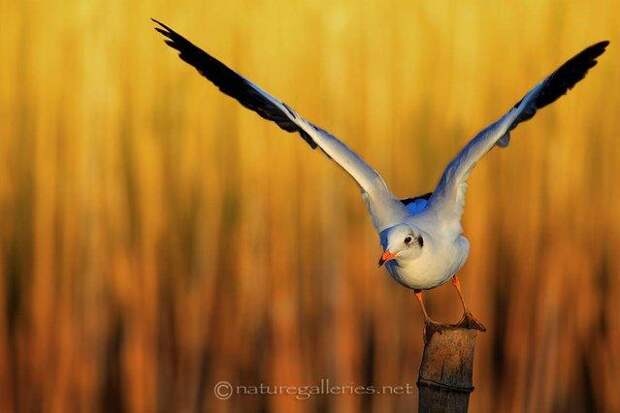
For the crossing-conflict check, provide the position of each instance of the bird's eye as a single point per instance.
(408, 240)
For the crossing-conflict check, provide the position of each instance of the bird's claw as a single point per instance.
(471, 322)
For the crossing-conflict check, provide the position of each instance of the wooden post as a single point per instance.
(445, 376)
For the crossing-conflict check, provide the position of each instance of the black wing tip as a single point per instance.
(576, 68)
(565, 78)
(587, 57)
(176, 41)
(602, 45)
(570, 73)
(162, 25)
(164, 30)
(188, 53)
(173, 38)
(161, 31)
(591, 53)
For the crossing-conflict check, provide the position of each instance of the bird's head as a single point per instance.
(401, 241)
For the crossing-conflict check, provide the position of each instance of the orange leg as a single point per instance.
(429, 325)
(457, 284)
(418, 295)
(468, 318)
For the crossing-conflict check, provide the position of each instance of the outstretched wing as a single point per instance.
(385, 209)
(448, 199)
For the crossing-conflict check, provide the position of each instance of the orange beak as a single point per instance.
(387, 256)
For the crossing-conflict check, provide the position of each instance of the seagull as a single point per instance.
(422, 237)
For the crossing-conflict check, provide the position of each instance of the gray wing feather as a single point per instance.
(448, 198)
(384, 208)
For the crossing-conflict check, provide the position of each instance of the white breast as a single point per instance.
(439, 261)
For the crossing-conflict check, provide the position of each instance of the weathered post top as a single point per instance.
(445, 376)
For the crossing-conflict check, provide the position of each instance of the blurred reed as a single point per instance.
(156, 238)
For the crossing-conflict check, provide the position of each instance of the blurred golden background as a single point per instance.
(156, 238)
